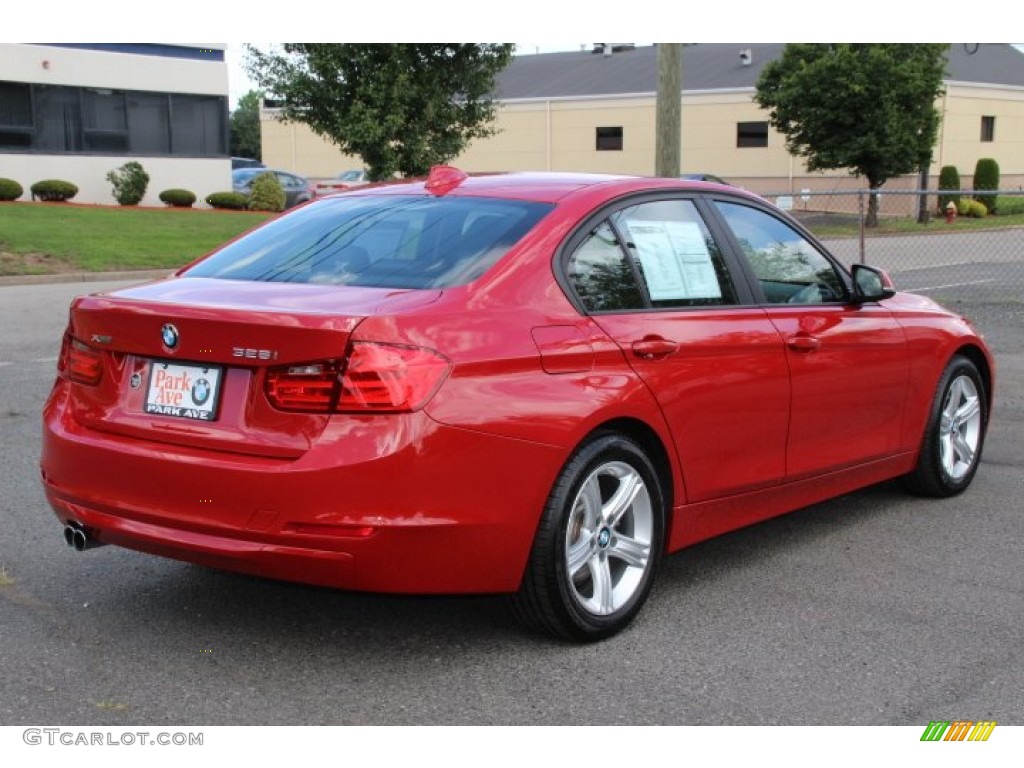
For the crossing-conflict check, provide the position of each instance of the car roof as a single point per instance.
(546, 187)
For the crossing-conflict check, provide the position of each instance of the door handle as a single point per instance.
(803, 342)
(653, 348)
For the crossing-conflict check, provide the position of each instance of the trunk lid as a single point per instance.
(212, 340)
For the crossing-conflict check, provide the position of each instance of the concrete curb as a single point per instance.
(140, 275)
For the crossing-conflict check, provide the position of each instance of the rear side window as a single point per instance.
(379, 241)
(670, 260)
(601, 276)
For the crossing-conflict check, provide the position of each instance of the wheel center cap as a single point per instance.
(604, 537)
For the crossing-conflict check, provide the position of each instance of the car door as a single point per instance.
(848, 361)
(291, 188)
(653, 277)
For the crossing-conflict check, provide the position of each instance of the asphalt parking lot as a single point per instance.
(875, 608)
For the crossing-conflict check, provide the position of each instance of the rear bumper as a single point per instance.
(384, 503)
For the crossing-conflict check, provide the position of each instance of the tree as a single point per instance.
(401, 107)
(245, 127)
(866, 107)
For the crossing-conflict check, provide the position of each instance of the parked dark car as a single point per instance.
(705, 177)
(245, 162)
(297, 189)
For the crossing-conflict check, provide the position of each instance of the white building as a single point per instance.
(77, 111)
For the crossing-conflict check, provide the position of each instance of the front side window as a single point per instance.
(385, 241)
(789, 269)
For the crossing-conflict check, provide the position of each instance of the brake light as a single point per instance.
(79, 362)
(312, 387)
(385, 377)
(375, 378)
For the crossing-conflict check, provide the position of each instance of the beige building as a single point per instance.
(79, 110)
(588, 111)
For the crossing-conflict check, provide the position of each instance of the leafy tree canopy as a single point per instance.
(866, 107)
(401, 107)
(245, 127)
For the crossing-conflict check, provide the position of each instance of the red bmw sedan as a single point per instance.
(535, 384)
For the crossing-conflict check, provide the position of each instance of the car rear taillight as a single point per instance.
(78, 362)
(375, 378)
(312, 387)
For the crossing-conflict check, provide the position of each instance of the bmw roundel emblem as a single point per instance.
(201, 392)
(169, 334)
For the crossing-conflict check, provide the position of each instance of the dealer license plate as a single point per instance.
(185, 391)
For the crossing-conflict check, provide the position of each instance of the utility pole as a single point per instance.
(668, 125)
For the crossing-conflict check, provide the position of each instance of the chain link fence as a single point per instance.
(965, 260)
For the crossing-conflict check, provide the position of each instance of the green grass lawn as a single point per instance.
(847, 226)
(40, 238)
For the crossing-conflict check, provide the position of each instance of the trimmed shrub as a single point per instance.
(976, 209)
(53, 190)
(986, 177)
(266, 194)
(963, 208)
(949, 178)
(10, 190)
(1007, 205)
(232, 200)
(178, 198)
(129, 183)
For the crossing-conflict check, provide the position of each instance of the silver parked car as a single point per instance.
(297, 189)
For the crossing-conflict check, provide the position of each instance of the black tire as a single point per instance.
(593, 561)
(954, 435)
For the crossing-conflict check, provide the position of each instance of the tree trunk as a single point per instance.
(871, 220)
(922, 201)
(669, 112)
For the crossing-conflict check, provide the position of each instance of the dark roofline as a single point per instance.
(715, 67)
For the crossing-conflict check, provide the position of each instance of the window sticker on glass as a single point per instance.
(675, 260)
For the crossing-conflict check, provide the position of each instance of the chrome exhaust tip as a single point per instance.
(76, 537)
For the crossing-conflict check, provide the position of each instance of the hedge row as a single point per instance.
(986, 182)
(57, 190)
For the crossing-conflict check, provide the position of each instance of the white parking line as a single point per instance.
(39, 360)
(950, 285)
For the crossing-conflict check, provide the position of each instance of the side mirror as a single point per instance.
(871, 284)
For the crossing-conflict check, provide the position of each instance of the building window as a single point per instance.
(752, 134)
(105, 121)
(56, 119)
(988, 128)
(609, 139)
(16, 124)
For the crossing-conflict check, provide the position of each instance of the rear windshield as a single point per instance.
(380, 241)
